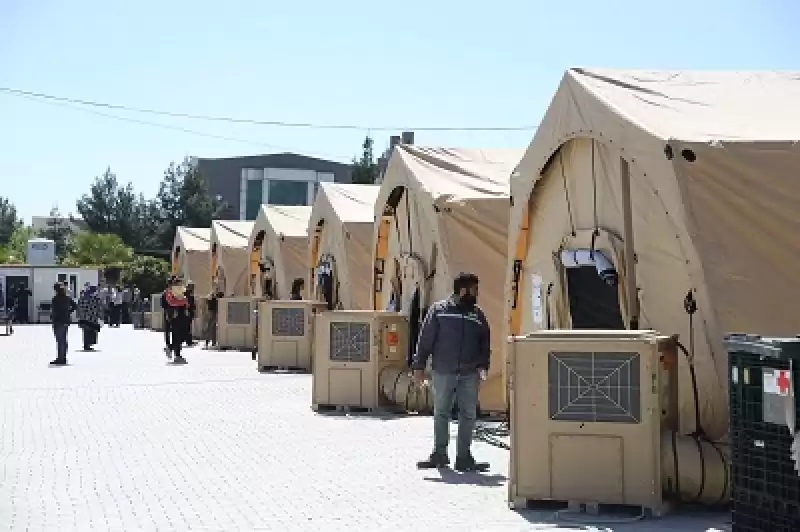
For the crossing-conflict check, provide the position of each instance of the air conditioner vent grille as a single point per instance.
(350, 341)
(594, 387)
(288, 321)
(238, 313)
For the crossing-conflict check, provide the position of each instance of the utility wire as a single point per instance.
(168, 127)
(277, 123)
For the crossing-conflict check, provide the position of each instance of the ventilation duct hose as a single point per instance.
(398, 387)
(575, 258)
(695, 470)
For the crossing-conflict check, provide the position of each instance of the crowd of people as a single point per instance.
(454, 336)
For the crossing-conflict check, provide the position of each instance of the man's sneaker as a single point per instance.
(58, 362)
(435, 461)
(179, 360)
(468, 463)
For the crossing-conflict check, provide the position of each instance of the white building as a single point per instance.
(40, 280)
(38, 275)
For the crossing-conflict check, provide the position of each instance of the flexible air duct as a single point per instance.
(695, 469)
(575, 258)
(398, 387)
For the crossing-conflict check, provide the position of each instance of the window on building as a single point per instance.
(253, 198)
(288, 192)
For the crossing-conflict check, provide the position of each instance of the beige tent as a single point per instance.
(190, 257)
(441, 212)
(230, 262)
(692, 173)
(278, 245)
(340, 231)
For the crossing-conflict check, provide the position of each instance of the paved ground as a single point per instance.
(121, 441)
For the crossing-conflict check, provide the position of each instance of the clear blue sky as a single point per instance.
(395, 63)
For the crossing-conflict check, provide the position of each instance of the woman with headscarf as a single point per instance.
(90, 314)
(176, 318)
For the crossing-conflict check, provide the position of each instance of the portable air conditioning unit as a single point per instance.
(200, 317)
(236, 327)
(286, 334)
(587, 410)
(351, 349)
(156, 313)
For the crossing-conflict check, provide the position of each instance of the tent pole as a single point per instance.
(632, 294)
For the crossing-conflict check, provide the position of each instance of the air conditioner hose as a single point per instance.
(697, 469)
(397, 386)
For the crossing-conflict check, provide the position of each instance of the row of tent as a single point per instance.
(641, 196)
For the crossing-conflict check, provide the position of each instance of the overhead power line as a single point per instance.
(276, 123)
(170, 127)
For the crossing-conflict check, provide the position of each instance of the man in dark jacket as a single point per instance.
(61, 316)
(455, 336)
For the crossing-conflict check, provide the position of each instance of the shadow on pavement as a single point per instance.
(449, 476)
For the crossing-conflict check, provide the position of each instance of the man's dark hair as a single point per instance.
(464, 280)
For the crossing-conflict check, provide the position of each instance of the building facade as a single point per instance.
(245, 183)
(69, 224)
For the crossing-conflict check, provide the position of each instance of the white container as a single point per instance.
(41, 252)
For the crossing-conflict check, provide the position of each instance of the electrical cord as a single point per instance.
(279, 123)
(699, 435)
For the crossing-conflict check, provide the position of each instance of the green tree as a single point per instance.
(98, 249)
(146, 273)
(110, 207)
(183, 199)
(59, 231)
(17, 248)
(9, 221)
(365, 169)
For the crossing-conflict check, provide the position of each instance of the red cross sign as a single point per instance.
(784, 382)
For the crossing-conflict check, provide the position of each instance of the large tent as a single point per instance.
(441, 212)
(684, 182)
(190, 257)
(230, 262)
(278, 249)
(340, 235)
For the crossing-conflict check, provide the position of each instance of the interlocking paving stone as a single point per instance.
(121, 441)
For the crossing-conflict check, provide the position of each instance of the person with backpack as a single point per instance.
(176, 319)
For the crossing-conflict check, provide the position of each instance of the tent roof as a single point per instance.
(695, 106)
(194, 238)
(231, 233)
(349, 202)
(288, 220)
(459, 172)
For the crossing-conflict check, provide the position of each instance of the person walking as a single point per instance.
(62, 307)
(116, 307)
(211, 319)
(127, 304)
(90, 314)
(192, 309)
(176, 317)
(455, 335)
